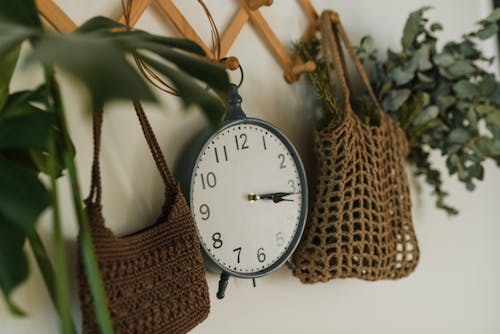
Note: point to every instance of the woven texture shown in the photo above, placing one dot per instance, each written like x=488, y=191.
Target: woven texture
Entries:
x=154, y=279
x=360, y=216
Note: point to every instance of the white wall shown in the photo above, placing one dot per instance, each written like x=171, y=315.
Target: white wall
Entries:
x=455, y=288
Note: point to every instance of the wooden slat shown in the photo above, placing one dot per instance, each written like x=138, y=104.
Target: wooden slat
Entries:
x=138, y=8
x=233, y=30
x=55, y=15
x=181, y=23
x=270, y=38
x=309, y=9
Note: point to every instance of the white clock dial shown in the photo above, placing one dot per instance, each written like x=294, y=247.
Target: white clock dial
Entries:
x=246, y=198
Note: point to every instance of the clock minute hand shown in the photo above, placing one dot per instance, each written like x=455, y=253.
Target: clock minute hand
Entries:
x=275, y=197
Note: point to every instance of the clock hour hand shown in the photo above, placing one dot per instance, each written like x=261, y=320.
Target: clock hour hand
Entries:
x=275, y=197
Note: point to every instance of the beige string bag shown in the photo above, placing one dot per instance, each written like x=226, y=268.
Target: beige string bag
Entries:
x=360, y=216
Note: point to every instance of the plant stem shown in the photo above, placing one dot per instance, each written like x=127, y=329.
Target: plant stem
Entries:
x=61, y=279
x=87, y=248
x=42, y=259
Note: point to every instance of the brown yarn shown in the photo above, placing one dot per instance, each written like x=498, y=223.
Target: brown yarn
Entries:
x=154, y=279
x=360, y=216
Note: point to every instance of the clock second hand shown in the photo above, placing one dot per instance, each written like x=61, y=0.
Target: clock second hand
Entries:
x=275, y=197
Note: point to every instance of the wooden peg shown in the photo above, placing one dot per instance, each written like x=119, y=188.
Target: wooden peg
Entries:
x=256, y=4
x=230, y=63
x=293, y=74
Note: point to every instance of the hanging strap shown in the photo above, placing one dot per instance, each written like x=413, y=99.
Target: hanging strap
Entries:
x=159, y=158
x=332, y=34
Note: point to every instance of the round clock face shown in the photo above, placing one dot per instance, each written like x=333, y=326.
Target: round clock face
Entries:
x=249, y=198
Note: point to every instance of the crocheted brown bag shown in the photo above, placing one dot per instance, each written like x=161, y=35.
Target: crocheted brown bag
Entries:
x=360, y=217
x=154, y=279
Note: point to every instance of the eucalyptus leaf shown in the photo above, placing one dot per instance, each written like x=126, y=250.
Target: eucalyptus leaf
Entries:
x=444, y=59
x=465, y=89
x=426, y=115
x=13, y=262
x=436, y=26
x=493, y=118
x=487, y=85
x=462, y=68
x=459, y=136
x=488, y=31
x=424, y=78
x=402, y=77
x=421, y=58
x=444, y=101
x=413, y=27
x=494, y=16
x=395, y=99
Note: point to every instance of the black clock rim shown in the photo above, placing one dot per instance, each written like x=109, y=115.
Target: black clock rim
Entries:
x=305, y=197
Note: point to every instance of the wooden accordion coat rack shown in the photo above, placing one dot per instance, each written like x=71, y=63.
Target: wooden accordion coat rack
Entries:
x=248, y=11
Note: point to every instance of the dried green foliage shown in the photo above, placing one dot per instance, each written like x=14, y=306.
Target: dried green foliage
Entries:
x=331, y=114
x=443, y=99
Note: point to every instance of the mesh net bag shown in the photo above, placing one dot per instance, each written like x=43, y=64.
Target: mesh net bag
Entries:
x=154, y=279
x=360, y=217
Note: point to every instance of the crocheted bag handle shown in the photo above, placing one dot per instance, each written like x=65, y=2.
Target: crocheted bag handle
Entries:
x=95, y=195
x=332, y=33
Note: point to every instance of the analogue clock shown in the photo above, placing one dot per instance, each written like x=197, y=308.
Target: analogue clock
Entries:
x=247, y=190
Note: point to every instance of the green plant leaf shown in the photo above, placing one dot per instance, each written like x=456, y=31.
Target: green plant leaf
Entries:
x=494, y=16
x=118, y=32
x=488, y=31
x=459, y=136
x=444, y=59
x=13, y=262
x=213, y=74
x=421, y=58
x=191, y=92
x=465, y=89
x=133, y=39
x=413, y=27
x=395, y=99
x=462, y=68
x=436, y=26
x=22, y=196
x=14, y=36
x=402, y=77
x=99, y=24
x=426, y=115
x=445, y=101
x=487, y=85
x=424, y=78
x=23, y=12
x=7, y=66
x=22, y=102
x=30, y=131
x=99, y=65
